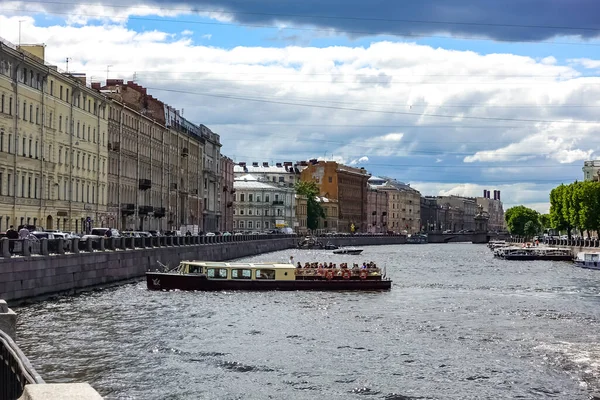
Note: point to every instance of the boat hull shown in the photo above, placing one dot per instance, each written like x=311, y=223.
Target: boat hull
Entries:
x=350, y=252
x=537, y=258
x=588, y=264
x=168, y=281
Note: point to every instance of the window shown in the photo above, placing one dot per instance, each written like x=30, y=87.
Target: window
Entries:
x=265, y=274
x=24, y=110
x=37, y=115
x=330, y=179
x=24, y=146
x=250, y=198
x=36, y=149
x=94, y=135
x=88, y=163
x=1, y=140
x=60, y=155
x=241, y=274
x=35, y=185
x=266, y=225
x=241, y=222
x=51, y=88
x=266, y=199
x=242, y=197
x=9, y=143
x=60, y=123
x=30, y=143
x=2, y=104
x=216, y=273
x=61, y=92
x=22, y=185
x=10, y=106
x=78, y=128
x=242, y=212
x=31, y=113
x=50, y=121
x=282, y=179
x=9, y=187
x=249, y=224
x=88, y=137
x=67, y=96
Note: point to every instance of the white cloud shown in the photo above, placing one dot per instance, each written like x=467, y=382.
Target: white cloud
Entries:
x=361, y=160
x=586, y=62
x=187, y=32
x=207, y=36
x=404, y=85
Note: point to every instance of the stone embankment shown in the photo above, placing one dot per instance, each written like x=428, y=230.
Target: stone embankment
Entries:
x=112, y=260
x=576, y=245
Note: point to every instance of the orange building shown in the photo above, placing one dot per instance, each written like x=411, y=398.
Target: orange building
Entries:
x=345, y=184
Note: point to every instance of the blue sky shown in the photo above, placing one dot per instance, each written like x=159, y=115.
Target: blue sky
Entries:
x=514, y=110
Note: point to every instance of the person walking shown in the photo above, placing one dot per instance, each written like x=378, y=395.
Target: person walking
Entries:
x=12, y=235
x=23, y=233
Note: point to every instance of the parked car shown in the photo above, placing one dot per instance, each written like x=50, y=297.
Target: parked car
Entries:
x=102, y=232
x=209, y=234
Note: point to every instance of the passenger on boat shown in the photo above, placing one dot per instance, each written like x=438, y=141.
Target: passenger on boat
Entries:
x=299, y=265
x=364, y=266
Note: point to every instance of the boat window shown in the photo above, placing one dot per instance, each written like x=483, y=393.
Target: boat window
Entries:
x=265, y=274
x=195, y=269
x=217, y=273
x=241, y=274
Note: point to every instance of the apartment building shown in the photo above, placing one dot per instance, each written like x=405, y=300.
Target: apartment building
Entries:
x=403, y=205
x=494, y=209
x=285, y=173
x=262, y=205
x=377, y=206
x=53, y=135
x=227, y=192
x=347, y=186
x=467, y=207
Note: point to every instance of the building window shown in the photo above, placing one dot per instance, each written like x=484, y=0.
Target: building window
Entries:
x=2, y=104
x=266, y=199
x=35, y=185
x=31, y=113
x=36, y=149
x=9, y=143
x=24, y=110
x=1, y=140
x=78, y=128
x=249, y=224
x=61, y=92
x=250, y=198
x=30, y=145
x=10, y=106
x=37, y=115
x=60, y=155
x=60, y=123
x=50, y=124
x=51, y=88
x=242, y=197
x=22, y=185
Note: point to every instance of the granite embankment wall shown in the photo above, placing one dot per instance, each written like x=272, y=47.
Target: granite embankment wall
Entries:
x=576, y=245
x=34, y=276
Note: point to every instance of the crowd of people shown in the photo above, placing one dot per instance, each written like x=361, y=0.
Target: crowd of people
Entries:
x=330, y=265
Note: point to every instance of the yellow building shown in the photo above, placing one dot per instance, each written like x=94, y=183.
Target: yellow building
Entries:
x=53, y=152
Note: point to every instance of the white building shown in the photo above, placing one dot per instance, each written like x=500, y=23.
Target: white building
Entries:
x=285, y=173
x=261, y=205
x=591, y=170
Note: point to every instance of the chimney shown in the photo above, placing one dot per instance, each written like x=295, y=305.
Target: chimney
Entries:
x=242, y=164
x=494, y=195
x=114, y=82
x=314, y=161
x=484, y=193
x=265, y=164
x=287, y=163
x=498, y=195
x=278, y=165
x=255, y=164
x=96, y=85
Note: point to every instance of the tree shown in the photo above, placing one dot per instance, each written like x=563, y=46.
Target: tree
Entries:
x=557, y=204
x=589, y=206
x=517, y=217
x=314, y=210
x=545, y=221
x=531, y=228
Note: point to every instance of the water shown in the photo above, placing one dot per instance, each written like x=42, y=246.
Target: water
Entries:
x=457, y=324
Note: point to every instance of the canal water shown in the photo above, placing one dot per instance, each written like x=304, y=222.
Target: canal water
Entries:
x=457, y=324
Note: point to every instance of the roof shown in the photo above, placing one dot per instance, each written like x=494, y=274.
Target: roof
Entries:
x=216, y=264
x=271, y=169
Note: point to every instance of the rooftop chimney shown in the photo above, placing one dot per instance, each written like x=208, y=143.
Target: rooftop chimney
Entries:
x=96, y=85
x=255, y=164
x=498, y=195
x=287, y=163
x=242, y=164
x=484, y=193
x=265, y=164
x=278, y=165
x=314, y=161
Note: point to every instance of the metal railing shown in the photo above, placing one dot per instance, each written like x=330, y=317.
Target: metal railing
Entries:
x=15, y=370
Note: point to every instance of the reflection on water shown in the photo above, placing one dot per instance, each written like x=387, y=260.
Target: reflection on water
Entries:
x=457, y=324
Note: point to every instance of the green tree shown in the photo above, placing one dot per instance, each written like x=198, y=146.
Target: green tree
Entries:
x=531, y=228
x=557, y=203
x=545, y=221
x=589, y=206
x=574, y=200
x=517, y=217
x=314, y=210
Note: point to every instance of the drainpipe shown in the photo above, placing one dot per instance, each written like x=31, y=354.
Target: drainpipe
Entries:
x=42, y=145
x=16, y=134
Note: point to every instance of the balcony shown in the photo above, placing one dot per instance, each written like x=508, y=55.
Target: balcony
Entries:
x=145, y=184
x=278, y=203
x=115, y=146
x=127, y=208
x=185, y=152
x=173, y=186
x=145, y=210
x=159, y=212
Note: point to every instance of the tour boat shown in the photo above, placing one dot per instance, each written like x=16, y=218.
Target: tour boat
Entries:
x=348, y=250
x=515, y=253
x=210, y=275
x=587, y=259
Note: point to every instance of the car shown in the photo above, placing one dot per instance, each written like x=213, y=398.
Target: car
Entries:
x=209, y=234
x=102, y=232
x=238, y=234
x=226, y=234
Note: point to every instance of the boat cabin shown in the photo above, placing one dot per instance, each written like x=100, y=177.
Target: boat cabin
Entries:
x=238, y=271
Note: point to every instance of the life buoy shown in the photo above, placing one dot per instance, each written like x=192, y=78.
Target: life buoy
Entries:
x=329, y=274
x=363, y=274
x=346, y=274
x=320, y=272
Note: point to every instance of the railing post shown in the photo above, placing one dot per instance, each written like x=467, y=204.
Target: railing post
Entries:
x=89, y=245
x=60, y=247
x=102, y=244
x=4, y=244
x=26, y=248
x=8, y=320
x=75, y=245
x=44, y=247
x=143, y=242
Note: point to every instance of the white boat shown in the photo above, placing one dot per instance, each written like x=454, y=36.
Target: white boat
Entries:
x=348, y=250
x=586, y=259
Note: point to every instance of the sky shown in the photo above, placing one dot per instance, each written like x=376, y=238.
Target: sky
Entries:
x=450, y=96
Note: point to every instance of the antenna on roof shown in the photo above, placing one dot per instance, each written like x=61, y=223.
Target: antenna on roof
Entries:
x=134, y=76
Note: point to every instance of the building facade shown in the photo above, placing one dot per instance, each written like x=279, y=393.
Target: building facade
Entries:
x=591, y=170
x=377, y=206
x=346, y=185
x=467, y=205
x=155, y=173
x=429, y=208
x=227, y=192
x=404, y=205
x=53, y=135
x=301, y=222
x=211, y=214
x=495, y=210
x=261, y=205
x=330, y=223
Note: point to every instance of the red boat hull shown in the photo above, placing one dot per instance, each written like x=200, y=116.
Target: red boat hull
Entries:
x=167, y=281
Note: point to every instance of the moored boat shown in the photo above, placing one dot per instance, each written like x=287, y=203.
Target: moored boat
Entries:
x=211, y=276
x=590, y=260
x=516, y=253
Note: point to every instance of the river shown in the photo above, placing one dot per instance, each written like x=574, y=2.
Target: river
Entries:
x=457, y=324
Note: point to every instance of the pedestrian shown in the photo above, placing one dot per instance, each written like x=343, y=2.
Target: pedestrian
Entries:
x=108, y=232
x=23, y=233
x=12, y=235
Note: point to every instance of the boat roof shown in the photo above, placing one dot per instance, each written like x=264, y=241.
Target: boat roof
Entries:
x=216, y=264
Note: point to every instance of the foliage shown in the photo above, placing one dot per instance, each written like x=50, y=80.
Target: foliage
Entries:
x=576, y=206
x=532, y=228
x=518, y=217
x=314, y=210
x=545, y=221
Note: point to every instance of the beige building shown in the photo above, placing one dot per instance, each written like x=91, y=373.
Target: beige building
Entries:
x=331, y=210
x=285, y=173
x=467, y=207
x=227, y=192
x=301, y=222
x=495, y=210
x=53, y=135
x=591, y=170
x=404, y=205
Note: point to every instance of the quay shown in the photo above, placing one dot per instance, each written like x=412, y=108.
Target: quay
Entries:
x=576, y=245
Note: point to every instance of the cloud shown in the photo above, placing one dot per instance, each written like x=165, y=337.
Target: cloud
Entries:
x=497, y=120
x=512, y=19
x=187, y=32
x=207, y=36
x=586, y=62
x=361, y=160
